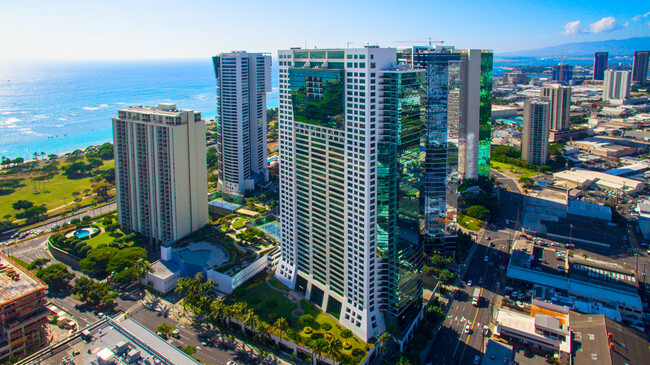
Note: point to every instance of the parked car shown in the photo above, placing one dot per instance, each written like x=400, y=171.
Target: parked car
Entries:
x=468, y=329
x=486, y=331
x=485, y=258
x=477, y=360
x=469, y=283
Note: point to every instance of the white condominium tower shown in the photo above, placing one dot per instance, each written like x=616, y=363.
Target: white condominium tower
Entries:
x=243, y=79
x=560, y=105
x=160, y=171
x=352, y=178
x=617, y=85
x=534, y=142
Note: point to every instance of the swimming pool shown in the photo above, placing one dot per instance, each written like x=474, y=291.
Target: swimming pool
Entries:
x=196, y=257
x=272, y=229
x=81, y=233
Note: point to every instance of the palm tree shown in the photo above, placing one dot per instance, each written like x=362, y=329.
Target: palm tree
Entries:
x=333, y=349
x=281, y=326
x=319, y=347
x=382, y=342
x=263, y=330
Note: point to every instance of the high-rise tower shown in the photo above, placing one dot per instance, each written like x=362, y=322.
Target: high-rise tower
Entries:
x=534, y=142
x=617, y=85
x=160, y=173
x=353, y=179
x=640, y=67
x=243, y=79
x=600, y=65
x=560, y=105
x=485, y=117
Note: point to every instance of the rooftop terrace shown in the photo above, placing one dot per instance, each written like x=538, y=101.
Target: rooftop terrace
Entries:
x=16, y=281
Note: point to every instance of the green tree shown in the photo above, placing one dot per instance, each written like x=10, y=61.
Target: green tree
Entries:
x=56, y=276
x=281, y=326
x=22, y=205
x=96, y=263
x=189, y=349
x=306, y=320
x=126, y=258
x=165, y=329
x=38, y=264
x=478, y=211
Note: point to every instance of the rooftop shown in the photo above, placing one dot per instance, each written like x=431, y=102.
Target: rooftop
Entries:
x=16, y=281
x=592, y=332
x=161, y=109
x=497, y=353
x=164, y=269
x=116, y=338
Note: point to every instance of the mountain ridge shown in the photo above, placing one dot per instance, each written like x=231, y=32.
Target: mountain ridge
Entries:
x=615, y=47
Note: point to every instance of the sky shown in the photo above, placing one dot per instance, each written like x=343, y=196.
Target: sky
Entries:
x=168, y=29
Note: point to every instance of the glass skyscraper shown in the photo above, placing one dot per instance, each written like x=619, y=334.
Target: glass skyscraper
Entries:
x=485, y=114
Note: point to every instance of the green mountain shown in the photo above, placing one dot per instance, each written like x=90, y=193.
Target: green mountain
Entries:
x=615, y=47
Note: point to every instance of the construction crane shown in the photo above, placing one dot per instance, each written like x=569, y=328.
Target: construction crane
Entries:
x=430, y=41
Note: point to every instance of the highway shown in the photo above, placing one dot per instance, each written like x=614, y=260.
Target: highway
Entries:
x=452, y=345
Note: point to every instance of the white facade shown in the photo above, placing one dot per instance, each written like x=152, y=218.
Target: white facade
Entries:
x=560, y=104
x=468, y=122
x=534, y=142
x=243, y=79
x=617, y=84
x=160, y=171
x=334, y=263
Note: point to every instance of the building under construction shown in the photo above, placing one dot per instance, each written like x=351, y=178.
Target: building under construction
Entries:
x=23, y=311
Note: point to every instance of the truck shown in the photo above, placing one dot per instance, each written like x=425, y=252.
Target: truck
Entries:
x=476, y=297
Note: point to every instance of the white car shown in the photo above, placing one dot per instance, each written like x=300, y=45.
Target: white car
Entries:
x=469, y=283
x=468, y=329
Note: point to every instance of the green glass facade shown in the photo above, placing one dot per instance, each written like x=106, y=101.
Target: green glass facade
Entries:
x=485, y=115
x=400, y=216
x=317, y=96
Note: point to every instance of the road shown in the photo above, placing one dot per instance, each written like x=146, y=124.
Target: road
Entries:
x=509, y=183
x=452, y=345
x=151, y=316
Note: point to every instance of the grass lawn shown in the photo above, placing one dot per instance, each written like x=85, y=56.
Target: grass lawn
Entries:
x=240, y=222
x=19, y=261
x=258, y=295
x=470, y=223
x=519, y=171
x=54, y=192
x=99, y=239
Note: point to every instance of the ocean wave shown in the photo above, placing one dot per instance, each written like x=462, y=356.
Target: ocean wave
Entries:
x=90, y=108
x=11, y=120
x=63, y=119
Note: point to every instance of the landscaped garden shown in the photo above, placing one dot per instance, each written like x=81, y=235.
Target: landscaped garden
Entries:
x=470, y=223
x=269, y=300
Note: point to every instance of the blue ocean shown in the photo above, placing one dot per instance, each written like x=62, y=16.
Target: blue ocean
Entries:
x=57, y=107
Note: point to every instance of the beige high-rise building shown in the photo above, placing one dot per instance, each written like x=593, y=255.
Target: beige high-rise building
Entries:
x=560, y=106
x=160, y=171
x=534, y=142
x=617, y=85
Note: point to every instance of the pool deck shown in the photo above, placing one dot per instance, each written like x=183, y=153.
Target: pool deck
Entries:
x=219, y=258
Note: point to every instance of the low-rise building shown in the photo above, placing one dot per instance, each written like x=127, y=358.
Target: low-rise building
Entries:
x=569, y=134
x=23, y=310
x=585, y=178
x=498, y=353
x=600, y=340
x=600, y=148
x=208, y=259
x=542, y=331
x=118, y=340
x=588, y=286
x=643, y=208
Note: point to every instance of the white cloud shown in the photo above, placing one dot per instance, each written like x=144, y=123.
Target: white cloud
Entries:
x=641, y=16
x=626, y=24
x=605, y=24
x=572, y=28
